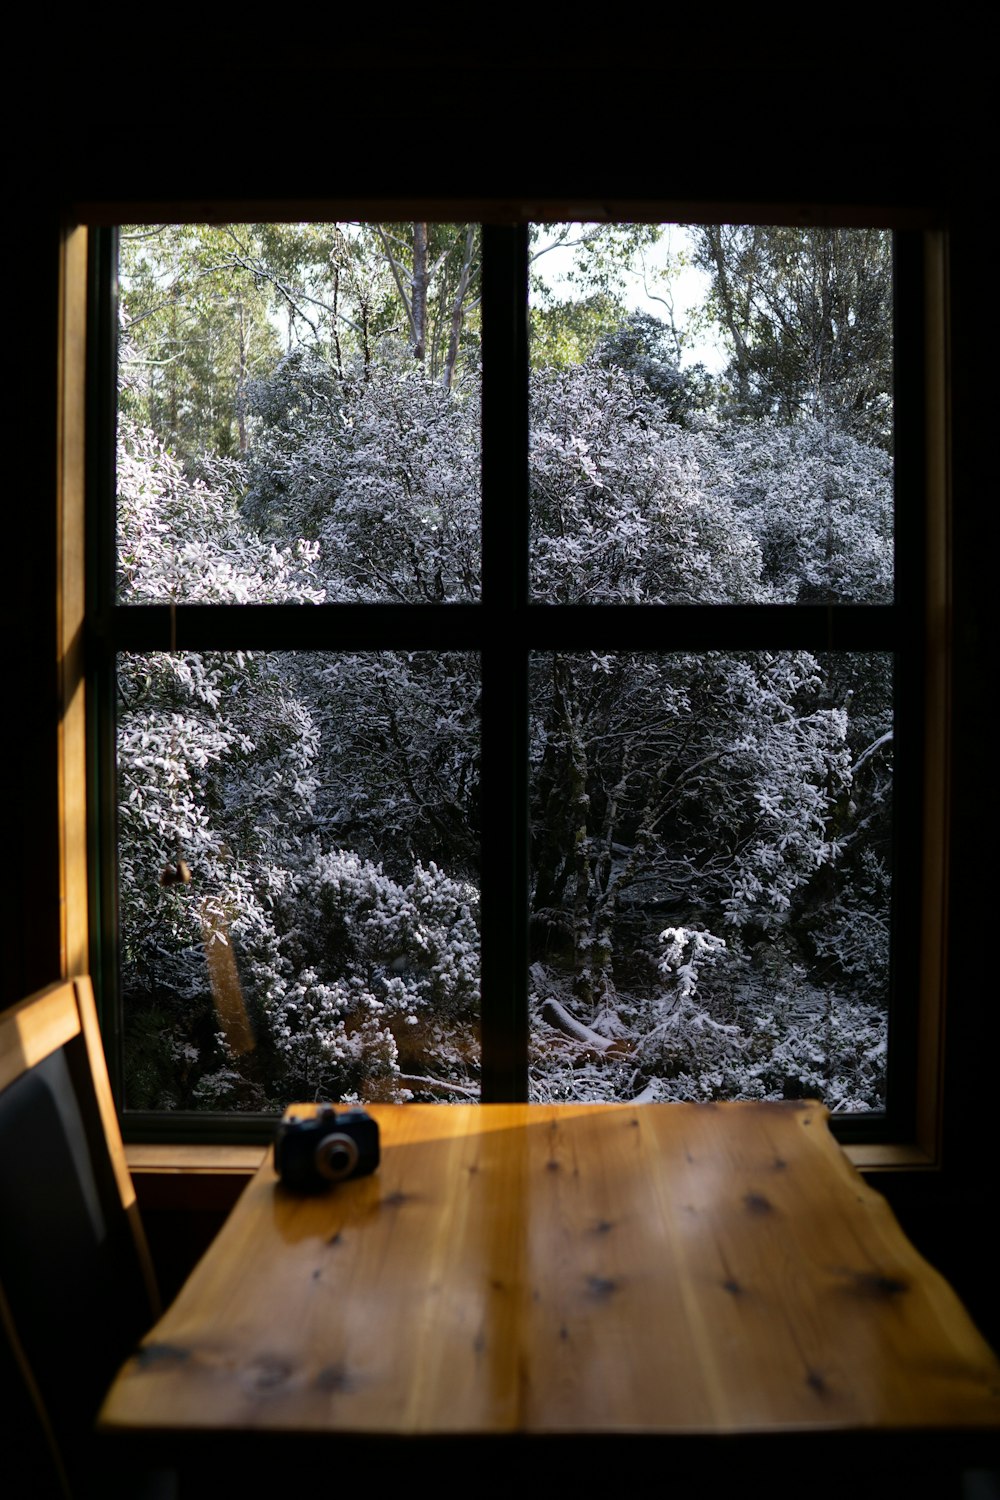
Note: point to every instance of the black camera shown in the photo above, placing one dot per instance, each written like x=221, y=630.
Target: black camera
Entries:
x=312, y=1151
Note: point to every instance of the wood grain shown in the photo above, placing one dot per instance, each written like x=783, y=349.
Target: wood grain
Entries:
x=71, y=604
x=37, y=1027
x=567, y=1269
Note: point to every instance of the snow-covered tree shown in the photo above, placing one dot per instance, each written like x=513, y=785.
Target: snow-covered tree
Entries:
x=382, y=472
x=254, y=961
x=819, y=504
x=621, y=511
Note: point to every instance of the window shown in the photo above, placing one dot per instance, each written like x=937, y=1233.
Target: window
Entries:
x=577, y=690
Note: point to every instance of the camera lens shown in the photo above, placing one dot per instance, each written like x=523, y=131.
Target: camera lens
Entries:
x=336, y=1157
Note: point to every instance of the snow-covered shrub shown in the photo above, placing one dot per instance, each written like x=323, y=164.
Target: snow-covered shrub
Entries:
x=367, y=966
x=180, y=539
x=720, y=1030
x=384, y=476
x=818, y=502
x=621, y=510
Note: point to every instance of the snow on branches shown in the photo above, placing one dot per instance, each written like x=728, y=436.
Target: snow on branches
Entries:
x=182, y=539
x=326, y=807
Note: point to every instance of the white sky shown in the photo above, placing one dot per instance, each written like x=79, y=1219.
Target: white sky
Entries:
x=648, y=280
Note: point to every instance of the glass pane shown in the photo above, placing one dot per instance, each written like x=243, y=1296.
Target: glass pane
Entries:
x=710, y=876
x=711, y=414
x=298, y=889
x=298, y=413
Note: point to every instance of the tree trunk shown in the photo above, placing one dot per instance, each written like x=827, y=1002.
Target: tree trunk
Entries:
x=458, y=308
x=418, y=290
x=241, y=376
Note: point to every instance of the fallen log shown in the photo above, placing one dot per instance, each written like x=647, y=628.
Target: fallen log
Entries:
x=558, y=1016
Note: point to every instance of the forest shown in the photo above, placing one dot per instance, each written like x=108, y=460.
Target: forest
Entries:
x=298, y=831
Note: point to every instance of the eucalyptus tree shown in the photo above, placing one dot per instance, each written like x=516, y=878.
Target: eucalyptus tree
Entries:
x=436, y=271
x=206, y=310
x=808, y=317
x=196, y=328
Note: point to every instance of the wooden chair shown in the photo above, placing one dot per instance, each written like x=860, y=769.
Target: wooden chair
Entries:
x=77, y=1287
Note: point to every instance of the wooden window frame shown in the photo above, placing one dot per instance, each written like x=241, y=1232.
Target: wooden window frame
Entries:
x=918, y=1145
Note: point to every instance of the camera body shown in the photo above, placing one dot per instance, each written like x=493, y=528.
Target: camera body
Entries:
x=312, y=1151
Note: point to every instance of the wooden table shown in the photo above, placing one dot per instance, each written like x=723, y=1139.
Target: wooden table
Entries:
x=668, y=1271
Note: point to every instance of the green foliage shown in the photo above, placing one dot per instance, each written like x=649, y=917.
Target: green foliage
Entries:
x=567, y=332
x=196, y=328
x=206, y=311
x=808, y=317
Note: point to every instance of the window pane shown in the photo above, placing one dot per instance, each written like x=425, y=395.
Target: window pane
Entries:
x=710, y=876
x=298, y=854
x=711, y=414
x=299, y=413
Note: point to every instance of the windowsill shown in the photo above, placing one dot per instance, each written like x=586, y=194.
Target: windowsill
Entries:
x=890, y=1156
x=217, y=1160
x=164, y=1158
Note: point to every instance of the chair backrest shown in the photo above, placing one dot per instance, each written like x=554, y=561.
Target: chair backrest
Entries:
x=77, y=1288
